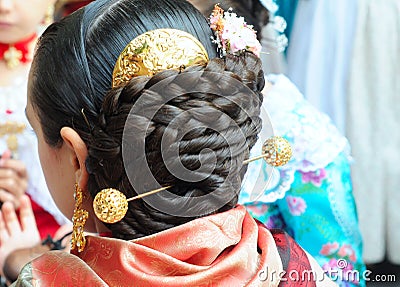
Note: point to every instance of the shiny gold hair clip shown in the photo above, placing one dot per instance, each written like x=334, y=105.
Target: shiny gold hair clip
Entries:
x=110, y=205
x=156, y=51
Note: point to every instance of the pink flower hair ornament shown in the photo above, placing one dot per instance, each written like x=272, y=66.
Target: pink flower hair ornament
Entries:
x=232, y=34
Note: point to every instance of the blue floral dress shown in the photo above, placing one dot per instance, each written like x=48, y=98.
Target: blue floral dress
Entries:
x=310, y=197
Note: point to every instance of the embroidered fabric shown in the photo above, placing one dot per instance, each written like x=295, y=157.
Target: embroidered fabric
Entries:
x=12, y=108
x=314, y=139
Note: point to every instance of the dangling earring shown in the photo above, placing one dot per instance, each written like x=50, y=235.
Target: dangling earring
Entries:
x=78, y=220
x=49, y=17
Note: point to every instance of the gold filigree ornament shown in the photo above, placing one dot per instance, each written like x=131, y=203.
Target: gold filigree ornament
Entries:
x=156, y=51
x=110, y=205
x=277, y=151
x=12, y=57
x=10, y=130
x=78, y=240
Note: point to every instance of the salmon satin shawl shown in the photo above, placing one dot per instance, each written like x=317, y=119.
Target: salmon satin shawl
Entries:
x=225, y=249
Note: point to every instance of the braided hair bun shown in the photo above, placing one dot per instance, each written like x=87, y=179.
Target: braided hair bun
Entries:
x=190, y=129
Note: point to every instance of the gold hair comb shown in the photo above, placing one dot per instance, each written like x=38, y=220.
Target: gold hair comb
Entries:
x=110, y=205
x=156, y=51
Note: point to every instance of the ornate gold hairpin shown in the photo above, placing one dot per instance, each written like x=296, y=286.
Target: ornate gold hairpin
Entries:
x=110, y=205
x=156, y=51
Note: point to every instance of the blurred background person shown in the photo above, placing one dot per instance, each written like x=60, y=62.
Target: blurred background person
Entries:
x=20, y=173
x=373, y=121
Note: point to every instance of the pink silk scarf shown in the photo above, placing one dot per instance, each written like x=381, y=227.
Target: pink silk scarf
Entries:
x=225, y=249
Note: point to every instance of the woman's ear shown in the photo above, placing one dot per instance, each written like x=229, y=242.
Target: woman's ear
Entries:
x=78, y=154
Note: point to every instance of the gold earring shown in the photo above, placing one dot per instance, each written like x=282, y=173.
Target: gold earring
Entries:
x=78, y=220
x=110, y=205
x=49, y=16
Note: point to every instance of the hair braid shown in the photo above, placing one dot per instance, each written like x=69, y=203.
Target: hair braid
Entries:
x=197, y=147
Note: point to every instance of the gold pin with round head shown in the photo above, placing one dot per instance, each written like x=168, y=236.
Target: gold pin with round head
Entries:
x=110, y=205
x=276, y=151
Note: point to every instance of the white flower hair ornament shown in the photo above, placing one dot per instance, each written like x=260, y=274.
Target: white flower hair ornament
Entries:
x=232, y=34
